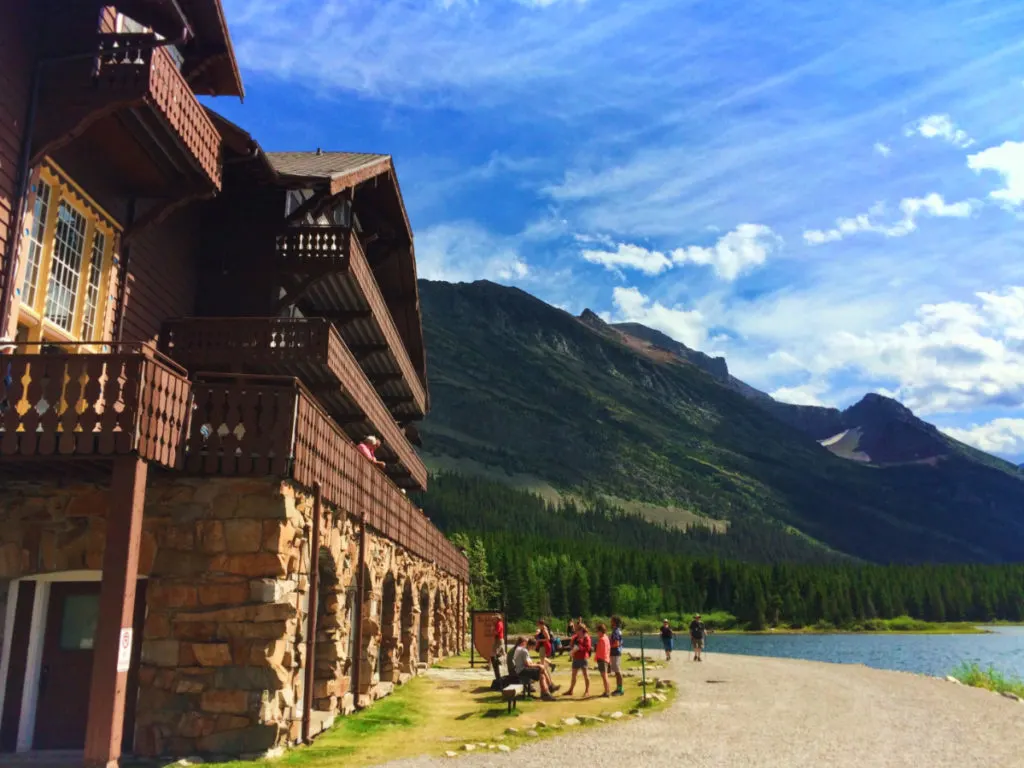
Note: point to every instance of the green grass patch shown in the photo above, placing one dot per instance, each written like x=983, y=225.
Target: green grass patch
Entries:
x=990, y=679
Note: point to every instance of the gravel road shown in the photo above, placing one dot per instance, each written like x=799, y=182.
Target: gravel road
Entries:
x=742, y=711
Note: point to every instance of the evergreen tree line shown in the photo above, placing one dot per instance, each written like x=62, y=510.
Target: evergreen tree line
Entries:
x=537, y=559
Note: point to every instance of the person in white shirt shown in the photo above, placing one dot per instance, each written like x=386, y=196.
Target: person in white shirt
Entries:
x=527, y=669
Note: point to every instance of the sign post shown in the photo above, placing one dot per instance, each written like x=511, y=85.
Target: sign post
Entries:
x=124, y=650
x=482, y=628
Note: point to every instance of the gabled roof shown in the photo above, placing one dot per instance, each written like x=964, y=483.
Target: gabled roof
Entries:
x=345, y=167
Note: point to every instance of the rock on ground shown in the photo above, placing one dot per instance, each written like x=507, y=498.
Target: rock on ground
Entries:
x=747, y=712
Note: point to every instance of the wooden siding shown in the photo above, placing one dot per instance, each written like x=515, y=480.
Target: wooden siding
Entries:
x=162, y=275
x=17, y=34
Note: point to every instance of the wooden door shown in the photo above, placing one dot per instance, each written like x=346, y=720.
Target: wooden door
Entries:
x=66, y=672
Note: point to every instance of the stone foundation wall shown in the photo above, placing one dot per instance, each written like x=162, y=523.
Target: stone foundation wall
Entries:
x=228, y=564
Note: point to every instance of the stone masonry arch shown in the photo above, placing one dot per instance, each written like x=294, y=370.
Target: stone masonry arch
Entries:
x=423, y=646
x=407, y=613
x=389, y=635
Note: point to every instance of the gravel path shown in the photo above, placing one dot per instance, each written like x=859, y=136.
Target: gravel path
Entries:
x=742, y=711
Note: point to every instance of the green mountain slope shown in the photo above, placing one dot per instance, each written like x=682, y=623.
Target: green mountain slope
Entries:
x=523, y=386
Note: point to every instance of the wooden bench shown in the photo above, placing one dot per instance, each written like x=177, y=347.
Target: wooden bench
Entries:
x=511, y=693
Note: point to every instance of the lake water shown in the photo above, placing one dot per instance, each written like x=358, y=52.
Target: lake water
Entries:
x=928, y=654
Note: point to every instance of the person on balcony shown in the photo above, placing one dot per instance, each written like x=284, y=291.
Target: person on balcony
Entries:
x=369, y=448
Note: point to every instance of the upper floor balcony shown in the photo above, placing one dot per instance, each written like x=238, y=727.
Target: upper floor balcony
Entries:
x=89, y=409
x=129, y=104
x=310, y=349
x=329, y=271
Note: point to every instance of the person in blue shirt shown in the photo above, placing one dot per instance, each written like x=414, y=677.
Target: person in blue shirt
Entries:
x=616, y=657
x=667, y=637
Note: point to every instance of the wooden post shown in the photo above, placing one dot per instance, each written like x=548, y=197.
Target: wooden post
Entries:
x=116, y=614
x=309, y=678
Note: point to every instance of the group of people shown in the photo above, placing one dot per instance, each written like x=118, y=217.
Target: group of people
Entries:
x=607, y=653
x=698, y=634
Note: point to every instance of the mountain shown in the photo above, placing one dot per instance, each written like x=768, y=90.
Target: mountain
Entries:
x=523, y=388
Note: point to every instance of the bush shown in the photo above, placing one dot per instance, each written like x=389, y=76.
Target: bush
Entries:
x=969, y=673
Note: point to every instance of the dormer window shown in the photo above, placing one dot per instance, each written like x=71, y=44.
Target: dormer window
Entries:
x=129, y=26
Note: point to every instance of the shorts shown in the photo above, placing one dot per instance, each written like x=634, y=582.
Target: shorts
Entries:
x=530, y=673
x=616, y=663
x=667, y=643
x=579, y=663
x=697, y=643
x=602, y=665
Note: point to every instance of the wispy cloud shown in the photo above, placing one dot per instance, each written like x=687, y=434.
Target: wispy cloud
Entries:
x=465, y=251
x=940, y=127
x=803, y=394
x=883, y=149
x=1003, y=435
x=911, y=207
x=684, y=325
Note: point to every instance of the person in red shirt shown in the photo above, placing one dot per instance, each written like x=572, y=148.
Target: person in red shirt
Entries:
x=581, y=648
x=498, y=653
x=603, y=656
x=369, y=448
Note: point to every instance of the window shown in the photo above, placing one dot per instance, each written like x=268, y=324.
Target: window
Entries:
x=78, y=624
x=68, y=262
x=128, y=25
x=35, y=242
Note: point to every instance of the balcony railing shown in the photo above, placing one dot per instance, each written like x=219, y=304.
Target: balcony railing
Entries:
x=310, y=349
x=263, y=425
x=91, y=406
x=129, y=68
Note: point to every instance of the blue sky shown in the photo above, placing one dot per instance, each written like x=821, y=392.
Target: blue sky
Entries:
x=831, y=195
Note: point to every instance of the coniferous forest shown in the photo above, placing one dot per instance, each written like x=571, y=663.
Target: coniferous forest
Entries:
x=537, y=559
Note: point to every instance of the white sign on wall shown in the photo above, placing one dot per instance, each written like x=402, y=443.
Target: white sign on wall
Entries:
x=124, y=650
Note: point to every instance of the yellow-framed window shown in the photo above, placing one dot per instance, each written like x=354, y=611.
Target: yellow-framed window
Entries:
x=69, y=250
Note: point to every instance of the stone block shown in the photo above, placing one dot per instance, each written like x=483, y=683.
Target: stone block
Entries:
x=270, y=590
x=212, y=654
x=223, y=594
x=256, y=738
x=161, y=653
x=275, y=612
x=263, y=506
x=180, y=564
x=278, y=536
x=180, y=538
x=147, y=552
x=157, y=627
x=210, y=536
x=232, y=722
x=268, y=630
x=89, y=503
x=226, y=702
x=197, y=631
x=242, y=536
x=189, y=685
x=12, y=559
x=194, y=724
x=267, y=678
x=238, y=613
x=256, y=564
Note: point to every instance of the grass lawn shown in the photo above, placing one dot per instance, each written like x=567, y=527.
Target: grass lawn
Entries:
x=431, y=715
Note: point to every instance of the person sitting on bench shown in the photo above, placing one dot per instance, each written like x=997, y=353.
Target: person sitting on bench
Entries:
x=527, y=669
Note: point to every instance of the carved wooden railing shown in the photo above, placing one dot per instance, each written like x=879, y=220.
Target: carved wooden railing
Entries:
x=310, y=349
x=314, y=247
x=260, y=425
x=67, y=405
x=128, y=67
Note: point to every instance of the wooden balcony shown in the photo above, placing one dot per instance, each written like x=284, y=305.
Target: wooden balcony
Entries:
x=56, y=408
x=131, y=104
x=310, y=349
x=264, y=425
x=334, y=280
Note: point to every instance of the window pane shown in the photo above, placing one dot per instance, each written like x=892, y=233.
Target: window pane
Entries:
x=92, y=286
x=65, y=266
x=35, y=243
x=78, y=625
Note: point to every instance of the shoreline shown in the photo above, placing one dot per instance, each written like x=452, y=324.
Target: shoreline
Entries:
x=936, y=629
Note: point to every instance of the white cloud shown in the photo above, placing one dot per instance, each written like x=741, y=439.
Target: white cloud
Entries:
x=465, y=251
x=686, y=326
x=804, y=394
x=735, y=253
x=883, y=149
x=630, y=257
x=911, y=207
x=1008, y=161
x=940, y=127
x=1004, y=436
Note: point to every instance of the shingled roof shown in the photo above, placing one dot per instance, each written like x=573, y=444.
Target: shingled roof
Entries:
x=326, y=165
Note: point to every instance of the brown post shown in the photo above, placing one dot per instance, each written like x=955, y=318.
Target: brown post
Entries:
x=360, y=597
x=314, y=585
x=116, y=614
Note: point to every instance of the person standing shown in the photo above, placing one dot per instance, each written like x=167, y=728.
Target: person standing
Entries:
x=581, y=648
x=697, y=634
x=667, y=638
x=603, y=656
x=615, y=641
x=499, y=646
x=369, y=448
x=543, y=638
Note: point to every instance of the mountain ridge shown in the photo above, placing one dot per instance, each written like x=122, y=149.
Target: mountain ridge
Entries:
x=529, y=388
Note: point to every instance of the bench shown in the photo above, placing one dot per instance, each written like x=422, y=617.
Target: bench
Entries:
x=511, y=693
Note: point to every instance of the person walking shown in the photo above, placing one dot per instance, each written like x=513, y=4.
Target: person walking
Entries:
x=667, y=638
x=697, y=634
x=615, y=641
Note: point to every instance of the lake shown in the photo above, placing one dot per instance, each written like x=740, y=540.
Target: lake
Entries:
x=935, y=655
